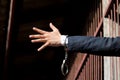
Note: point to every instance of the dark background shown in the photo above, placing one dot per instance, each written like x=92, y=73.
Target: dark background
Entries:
x=24, y=62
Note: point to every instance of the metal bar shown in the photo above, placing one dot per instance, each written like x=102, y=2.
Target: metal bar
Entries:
x=94, y=67
x=98, y=11
x=117, y=11
x=94, y=27
x=114, y=8
x=117, y=2
x=98, y=68
x=111, y=15
x=93, y=73
x=111, y=69
x=10, y=24
x=90, y=68
x=95, y=16
x=86, y=71
x=101, y=34
x=91, y=28
x=83, y=73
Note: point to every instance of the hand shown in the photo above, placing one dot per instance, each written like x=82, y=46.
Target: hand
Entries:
x=52, y=38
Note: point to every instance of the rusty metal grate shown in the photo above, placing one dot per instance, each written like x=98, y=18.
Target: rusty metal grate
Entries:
x=93, y=67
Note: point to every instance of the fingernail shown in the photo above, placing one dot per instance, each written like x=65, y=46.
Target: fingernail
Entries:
x=33, y=27
x=32, y=41
x=30, y=36
x=50, y=23
x=38, y=49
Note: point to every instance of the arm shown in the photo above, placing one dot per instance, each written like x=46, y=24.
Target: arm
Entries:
x=84, y=44
x=89, y=44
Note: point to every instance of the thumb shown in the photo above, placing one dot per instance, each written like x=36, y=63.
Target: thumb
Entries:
x=53, y=27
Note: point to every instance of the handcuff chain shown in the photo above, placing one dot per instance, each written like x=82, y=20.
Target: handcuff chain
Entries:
x=64, y=64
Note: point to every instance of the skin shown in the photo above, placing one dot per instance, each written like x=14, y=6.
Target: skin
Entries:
x=52, y=38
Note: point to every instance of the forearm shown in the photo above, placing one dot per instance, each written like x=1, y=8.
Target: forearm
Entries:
x=93, y=44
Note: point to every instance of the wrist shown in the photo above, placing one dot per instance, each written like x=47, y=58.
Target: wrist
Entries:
x=64, y=40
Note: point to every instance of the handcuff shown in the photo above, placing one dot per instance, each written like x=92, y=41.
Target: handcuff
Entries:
x=64, y=66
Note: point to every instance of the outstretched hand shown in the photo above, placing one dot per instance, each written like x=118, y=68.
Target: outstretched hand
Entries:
x=52, y=38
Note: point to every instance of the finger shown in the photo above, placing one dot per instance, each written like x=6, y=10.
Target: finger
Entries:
x=43, y=46
x=53, y=27
x=38, y=40
x=39, y=30
x=36, y=36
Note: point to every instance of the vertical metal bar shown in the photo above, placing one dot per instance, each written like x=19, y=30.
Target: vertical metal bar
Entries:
x=97, y=25
x=112, y=58
x=10, y=23
x=111, y=69
x=117, y=7
x=92, y=24
x=98, y=69
x=96, y=10
x=115, y=35
x=98, y=15
x=95, y=16
x=93, y=20
x=118, y=68
x=111, y=17
x=100, y=9
x=95, y=67
x=101, y=67
x=113, y=21
x=90, y=77
x=88, y=64
x=101, y=62
x=88, y=74
x=117, y=2
x=82, y=75
x=90, y=33
x=90, y=67
x=85, y=72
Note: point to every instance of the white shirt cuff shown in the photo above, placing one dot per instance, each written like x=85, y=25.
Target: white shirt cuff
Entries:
x=64, y=40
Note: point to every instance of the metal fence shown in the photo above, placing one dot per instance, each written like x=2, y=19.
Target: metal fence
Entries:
x=103, y=21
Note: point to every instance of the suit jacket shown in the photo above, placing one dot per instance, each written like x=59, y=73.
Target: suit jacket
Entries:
x=96, y=45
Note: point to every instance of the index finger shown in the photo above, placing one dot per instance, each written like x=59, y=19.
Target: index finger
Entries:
x=39, y=30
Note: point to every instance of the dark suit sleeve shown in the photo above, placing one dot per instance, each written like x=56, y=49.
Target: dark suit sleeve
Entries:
x=90, y=44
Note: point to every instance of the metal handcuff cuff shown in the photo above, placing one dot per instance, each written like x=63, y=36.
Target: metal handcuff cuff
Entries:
x=64, y=66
